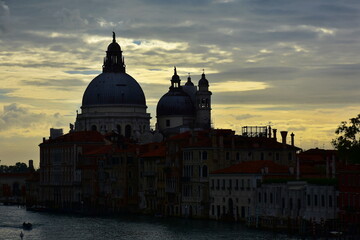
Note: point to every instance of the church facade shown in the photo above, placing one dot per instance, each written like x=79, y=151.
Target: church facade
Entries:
x=114, y=101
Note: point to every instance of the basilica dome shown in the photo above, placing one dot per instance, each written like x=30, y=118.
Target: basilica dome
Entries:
x=113, y=88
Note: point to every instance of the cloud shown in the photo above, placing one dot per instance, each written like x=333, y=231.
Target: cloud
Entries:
x=245, y=116
x=4, y=17
x=21, y=119
x=71, y=18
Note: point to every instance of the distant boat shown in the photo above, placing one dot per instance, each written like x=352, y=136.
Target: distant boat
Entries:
x=27, y=225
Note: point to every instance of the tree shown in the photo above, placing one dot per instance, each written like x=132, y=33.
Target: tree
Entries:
x=17, y=168
x=347, y=142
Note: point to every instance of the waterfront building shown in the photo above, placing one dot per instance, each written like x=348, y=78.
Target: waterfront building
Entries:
x=310, y=199
x=233, y=189
x=349, y=195
x=152, y=174
x=13, y=185
x=60, y=176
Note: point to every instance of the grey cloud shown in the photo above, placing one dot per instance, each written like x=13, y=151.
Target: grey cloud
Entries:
x=15, y=116
x=245, y=116
x=4, y=17
x=71, y=18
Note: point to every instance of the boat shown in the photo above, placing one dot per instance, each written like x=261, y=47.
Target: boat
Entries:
x=27, y=225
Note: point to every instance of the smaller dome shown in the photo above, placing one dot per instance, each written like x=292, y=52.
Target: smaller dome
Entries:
x=203, y=81
x=175, y=102
x=114, y=47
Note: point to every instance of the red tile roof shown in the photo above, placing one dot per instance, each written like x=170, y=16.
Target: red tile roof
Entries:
x=158, y=152
x=254, y=167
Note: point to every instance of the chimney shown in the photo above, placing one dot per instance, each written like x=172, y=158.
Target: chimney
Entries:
x=31, y=165
x=269, y=131
x=274, y=133
x=283, y=136
x=292, y=139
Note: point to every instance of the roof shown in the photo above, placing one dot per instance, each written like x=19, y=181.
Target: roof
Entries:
x=254, y=167
x=79, y=137
x=112, y=148
x=158, y=152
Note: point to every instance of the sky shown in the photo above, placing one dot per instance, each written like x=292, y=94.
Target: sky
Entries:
x=293, y=65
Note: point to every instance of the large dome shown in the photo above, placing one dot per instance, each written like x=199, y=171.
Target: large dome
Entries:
x=175, y=102
x=113, y=88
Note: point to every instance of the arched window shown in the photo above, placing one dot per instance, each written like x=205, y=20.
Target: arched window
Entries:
x=93, y=128
x=204, y=171
x=128, y=131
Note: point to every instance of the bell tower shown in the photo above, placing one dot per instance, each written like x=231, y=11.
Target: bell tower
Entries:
x=203, y=104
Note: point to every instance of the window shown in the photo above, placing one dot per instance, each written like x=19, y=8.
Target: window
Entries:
x=204, y=171
x=315, y=200
x=259, y=199
x=204, y=155
x=212, y=183
x=308, y=200
x=322, y=200
x=330, y=201
x=127, y=131
x=227, y=156
x=223, y=184
x=230, y=184
x=271, y=198
x=217, y=183
x=237, y=156
x=262, y=156
x=168, y=122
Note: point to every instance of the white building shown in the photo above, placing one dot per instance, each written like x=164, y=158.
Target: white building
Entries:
x=233, y=189
x=296, y=199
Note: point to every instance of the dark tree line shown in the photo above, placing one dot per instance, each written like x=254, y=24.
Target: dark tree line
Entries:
x=348, y=140
x=19, y=167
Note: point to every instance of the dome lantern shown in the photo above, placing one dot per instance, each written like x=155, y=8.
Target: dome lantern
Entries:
x=114, y=61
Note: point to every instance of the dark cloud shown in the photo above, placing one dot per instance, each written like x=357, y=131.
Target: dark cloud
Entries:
x=4, y=17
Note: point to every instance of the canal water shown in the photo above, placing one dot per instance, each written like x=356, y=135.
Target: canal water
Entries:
x=60, y=226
